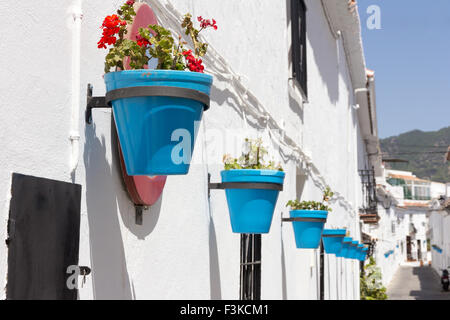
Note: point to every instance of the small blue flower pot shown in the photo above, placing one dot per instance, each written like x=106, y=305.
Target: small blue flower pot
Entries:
x=352, y=252
x=364, y=254
x=345, y=247
x=308, y=226
x=332, y=240
x=359, y=249
x=157, y=134
x=251, y=210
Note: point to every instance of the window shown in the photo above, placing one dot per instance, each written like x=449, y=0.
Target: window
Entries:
x=298, y=25
x=250, y=283
x=369, y=205
x=412, y=190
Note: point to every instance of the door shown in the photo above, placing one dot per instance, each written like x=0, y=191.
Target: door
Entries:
x=408, y=248
x=419, y=250
x=43, y=238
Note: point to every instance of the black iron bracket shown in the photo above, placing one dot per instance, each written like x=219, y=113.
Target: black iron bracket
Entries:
x=93, y=102
x=304, y=219
x=242, y=185
x=144, y=91
x=84, y=271
x=139, y=214
x=332, y=236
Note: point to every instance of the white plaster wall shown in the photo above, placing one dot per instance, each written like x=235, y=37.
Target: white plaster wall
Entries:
x=185, y=248
x=388, y=240
x=439, y=225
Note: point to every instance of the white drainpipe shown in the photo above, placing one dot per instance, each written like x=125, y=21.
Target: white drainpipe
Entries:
x=77, y=14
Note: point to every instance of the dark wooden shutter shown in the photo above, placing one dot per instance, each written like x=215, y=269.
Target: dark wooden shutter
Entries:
x=43, y=238
x=298, y=26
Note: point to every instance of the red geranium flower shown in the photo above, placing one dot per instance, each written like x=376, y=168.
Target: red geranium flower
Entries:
x=142, y=42
x=205, y=23
x=193, y=64
x=111, y=26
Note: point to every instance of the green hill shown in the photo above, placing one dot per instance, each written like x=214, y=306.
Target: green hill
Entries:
x=425, y=152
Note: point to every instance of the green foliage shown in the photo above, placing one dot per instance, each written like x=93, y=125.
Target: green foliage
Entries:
x=127, y=13
x=371, y=287
x=155, y=42
x=425, y=152
x=313, y=205
x=200, y=48
x=126, y=48
x=163, y=46
x=252, y=158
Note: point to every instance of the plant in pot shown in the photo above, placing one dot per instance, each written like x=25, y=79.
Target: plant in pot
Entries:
x=332, y=240
x=155, y=111
x=346, y=244
x=353, y=251
x=360, y=253
x=364, y=252
x=308, y=219
x=251, y=185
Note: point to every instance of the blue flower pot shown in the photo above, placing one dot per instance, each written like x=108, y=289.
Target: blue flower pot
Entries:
x=364, y=254
x=251, y=210
x=332, y=240
x=359, y=254
x=307, y=231
x=353, y=251
x=345, y=247
x=157, y=134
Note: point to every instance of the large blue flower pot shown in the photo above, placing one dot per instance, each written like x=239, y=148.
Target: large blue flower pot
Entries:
x=251, y=210
x=307, y=231
x=332, y=240
x=157, y=134
x=345, y=247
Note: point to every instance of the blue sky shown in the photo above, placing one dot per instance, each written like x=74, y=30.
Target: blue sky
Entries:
x=411, y=58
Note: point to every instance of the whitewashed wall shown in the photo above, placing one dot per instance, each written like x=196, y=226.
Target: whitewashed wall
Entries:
x=388, y=238
x=439, y=226
x=185, y=249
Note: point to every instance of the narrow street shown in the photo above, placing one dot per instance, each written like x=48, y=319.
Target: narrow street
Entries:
x=416, y=283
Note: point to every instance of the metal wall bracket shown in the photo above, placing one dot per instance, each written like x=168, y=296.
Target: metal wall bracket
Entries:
x=84, y=271
x=242, y=185
x=303, y=219
x=139, y=214
x=93, y=102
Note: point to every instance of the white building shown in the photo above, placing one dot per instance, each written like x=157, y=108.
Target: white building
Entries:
x=185, y=248
x=439, y=221
x=403, y=226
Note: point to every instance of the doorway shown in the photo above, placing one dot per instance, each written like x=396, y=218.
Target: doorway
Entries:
x=408, y=248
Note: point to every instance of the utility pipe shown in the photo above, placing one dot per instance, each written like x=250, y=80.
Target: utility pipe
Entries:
x=77, y=15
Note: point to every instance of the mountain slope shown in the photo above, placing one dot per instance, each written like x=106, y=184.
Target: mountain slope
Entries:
x=424, y=150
